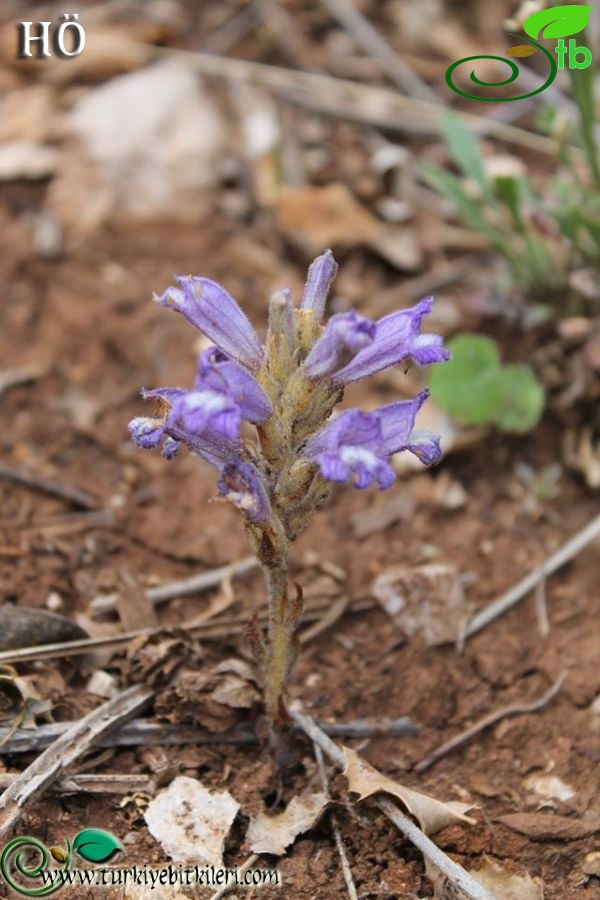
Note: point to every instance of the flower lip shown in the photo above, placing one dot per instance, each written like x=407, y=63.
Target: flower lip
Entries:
x=398, y=337
x=211, y=309
x=345, y=335
x=242, y=484
x=217, y=372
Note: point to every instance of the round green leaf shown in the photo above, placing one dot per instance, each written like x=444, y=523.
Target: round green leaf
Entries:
x=561, y=21
x=520, y=398
x=464, y=386
x=96, y=845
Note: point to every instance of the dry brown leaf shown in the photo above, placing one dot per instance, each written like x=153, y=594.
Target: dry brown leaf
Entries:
x=273, y=834
x=330, y=216
x=506, y=885
x=548, y=827
x=428, y=600
x=190, y=822
x=431, y=814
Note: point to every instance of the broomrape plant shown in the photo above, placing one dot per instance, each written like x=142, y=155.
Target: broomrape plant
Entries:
x=288, y=389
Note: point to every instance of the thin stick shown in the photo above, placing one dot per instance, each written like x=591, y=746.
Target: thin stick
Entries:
x=50, y=765
x=93, y=784
x=516, y=709
x=340, y=97
x=229, y=887
x=367, y=37
x=458, y=876
x=346, y=870
x=511, y=597
x=141, y=732
x=21, y=375
x=48, y=486
x=205, y=630
x=195, y=584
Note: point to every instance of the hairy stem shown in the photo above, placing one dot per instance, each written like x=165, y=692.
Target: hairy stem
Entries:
x=280, y=649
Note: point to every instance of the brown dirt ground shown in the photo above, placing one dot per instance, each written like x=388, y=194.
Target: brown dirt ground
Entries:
x=86, y=318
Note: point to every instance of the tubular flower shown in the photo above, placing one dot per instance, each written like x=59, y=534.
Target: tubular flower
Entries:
x=318, y=283
x=213, y=311
x=345, y=335
x=397, y=338
x=243, y=485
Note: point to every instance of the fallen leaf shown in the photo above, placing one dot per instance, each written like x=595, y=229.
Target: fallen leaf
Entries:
x=432, y=815
x=428, y=600
x=506, y=885
x=190, y=822
x=549, y=787
x=214, y=697
x=550, y=827
x=330, y=216
x=273, y=834
x=521, y=50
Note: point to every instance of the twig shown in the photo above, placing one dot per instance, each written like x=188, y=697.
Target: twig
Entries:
x=93, y=784
x=195, y=584
x=141, y=732
x=509, y=599
x=458, y=876
x=205, y=630
x=21, y=375
x=346, y=870
x=516, y=709
x=50, y=765
x=229, y=887
x=48, y=486
x=340, y=97
x=367, y=37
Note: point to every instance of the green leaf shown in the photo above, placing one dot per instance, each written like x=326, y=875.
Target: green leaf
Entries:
x=509, y=190
x=520, y=398
x=476, y=389
x=561, y=21
x=465, y=150
x=464, y=386
x=96, y=845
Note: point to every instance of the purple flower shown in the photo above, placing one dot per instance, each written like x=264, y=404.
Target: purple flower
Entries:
x=351, y=449
x=147, y=432
x=356, y=446
x=218, y=373
x=345, y=335
x=397, y=427
x=318, y=283
x=242, y=484
x=397, y=338
x=210, y=308
x=201, y=411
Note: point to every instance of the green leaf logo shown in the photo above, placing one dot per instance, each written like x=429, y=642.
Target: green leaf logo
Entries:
x=96, y=845
x=561, y=21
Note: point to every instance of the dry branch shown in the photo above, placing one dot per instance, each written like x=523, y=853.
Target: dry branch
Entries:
x=511, y=597
x=458, y=876
x=140, y=732
x=184, y=587
x=48, y=486
x=516, y=709
x=65, y=750
x=206, y=630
